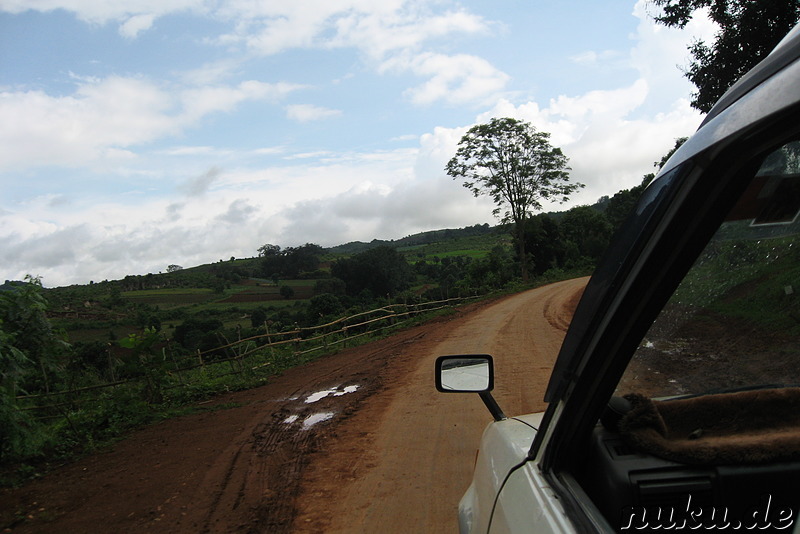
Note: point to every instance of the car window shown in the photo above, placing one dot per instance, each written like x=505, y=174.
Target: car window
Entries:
x=734, y=321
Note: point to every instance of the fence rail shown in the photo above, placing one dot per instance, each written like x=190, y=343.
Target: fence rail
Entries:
x=251, y=354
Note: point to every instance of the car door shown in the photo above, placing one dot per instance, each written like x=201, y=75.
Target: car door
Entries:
x=736, y=179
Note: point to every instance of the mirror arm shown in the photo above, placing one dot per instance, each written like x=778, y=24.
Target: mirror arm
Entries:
x=494, y=408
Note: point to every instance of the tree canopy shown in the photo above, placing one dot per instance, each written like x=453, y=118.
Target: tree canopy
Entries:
x=514, y=164
x=290, y=262
x=382, y=271
x=748, y=31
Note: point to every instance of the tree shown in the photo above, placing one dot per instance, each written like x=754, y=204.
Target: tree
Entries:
x=30, y=361
x=381, y=271
x=515, y=165
x=545, y=243
x=587, y=230
x=258, y=317
x=268, y=250
x=748, y=31
x=291, y=262
x=323, y=305
x=198, y=333
x=23, y=318
x=287, y=292
x=333, y=286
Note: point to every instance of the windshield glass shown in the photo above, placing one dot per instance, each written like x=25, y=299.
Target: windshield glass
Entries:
x=734, y=321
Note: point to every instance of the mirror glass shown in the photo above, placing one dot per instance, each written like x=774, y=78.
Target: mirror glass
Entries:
x=465, y=373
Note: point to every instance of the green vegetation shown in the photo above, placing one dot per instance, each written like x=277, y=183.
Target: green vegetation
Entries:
x=747, y=280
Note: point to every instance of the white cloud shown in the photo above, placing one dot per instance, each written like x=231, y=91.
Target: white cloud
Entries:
x=136, y=24
x=189, y=151
x=381, y=31
x=76, y=129
x=212, y=73
x=133, y=15
x=456, y=80
x=597, y=105
x=204, y=100
x=591, y=57
x=401, y=29
x=103, y=117
x=309, y=112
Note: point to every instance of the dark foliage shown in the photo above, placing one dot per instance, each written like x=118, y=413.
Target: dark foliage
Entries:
x=749, y=30
x=324, y=305
x=544, y=243
x=291, y=262
x=381, y=271
x=198, y=333
x=334, y=286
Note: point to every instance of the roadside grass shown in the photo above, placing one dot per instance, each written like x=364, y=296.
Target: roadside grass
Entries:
x=749, y=280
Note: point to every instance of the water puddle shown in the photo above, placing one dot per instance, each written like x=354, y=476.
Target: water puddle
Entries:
x=312, y=420
x=291, y=419
x=336, y=392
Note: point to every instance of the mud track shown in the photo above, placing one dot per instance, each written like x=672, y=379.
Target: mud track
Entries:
x=354, y=442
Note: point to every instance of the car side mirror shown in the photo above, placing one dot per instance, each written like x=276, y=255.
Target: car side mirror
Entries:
x=464, y=374
x=468, y=373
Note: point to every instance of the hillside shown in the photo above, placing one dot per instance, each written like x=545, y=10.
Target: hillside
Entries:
x=233, y=291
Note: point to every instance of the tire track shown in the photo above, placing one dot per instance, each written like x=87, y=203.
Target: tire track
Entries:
x=559, y=307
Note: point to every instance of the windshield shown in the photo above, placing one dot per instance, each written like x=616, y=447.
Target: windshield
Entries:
x=734, y=321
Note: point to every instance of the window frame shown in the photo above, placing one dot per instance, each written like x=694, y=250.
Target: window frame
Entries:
x=693, y=205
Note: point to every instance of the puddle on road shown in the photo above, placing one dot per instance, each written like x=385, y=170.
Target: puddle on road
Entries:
x=312, y=420
x=336, y=392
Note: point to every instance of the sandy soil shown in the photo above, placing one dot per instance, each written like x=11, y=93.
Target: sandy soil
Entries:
x=355, y=442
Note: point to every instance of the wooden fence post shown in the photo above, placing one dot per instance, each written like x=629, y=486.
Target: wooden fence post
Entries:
x=269, y=341
x=175, y=363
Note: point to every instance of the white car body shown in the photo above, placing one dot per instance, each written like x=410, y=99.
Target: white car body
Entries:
x=526, y=500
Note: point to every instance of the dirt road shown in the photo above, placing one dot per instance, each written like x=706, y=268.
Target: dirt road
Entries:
x=355, y=442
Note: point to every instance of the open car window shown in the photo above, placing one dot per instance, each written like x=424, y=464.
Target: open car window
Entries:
x=734, y=321
x=704, y=422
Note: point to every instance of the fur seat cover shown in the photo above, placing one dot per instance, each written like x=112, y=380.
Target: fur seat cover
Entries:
x=746, y=427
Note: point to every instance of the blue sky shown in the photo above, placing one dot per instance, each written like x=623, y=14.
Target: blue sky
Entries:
x=143, y=133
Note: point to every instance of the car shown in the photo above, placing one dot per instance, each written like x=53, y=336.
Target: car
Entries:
x=674, y=403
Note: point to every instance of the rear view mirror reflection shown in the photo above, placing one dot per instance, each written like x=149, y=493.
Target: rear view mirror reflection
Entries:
x=470, y=373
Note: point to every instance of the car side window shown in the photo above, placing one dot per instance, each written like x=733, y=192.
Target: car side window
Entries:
x=734, y=321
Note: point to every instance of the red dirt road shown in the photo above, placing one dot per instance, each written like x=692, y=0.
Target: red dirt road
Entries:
x=355, y=442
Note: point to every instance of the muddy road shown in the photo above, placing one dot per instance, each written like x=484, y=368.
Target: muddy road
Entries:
x=355, y=442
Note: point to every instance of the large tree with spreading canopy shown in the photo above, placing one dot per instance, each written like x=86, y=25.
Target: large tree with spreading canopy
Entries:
x=514, y=164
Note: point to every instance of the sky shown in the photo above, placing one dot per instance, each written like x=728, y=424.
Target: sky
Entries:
x=138, y=134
